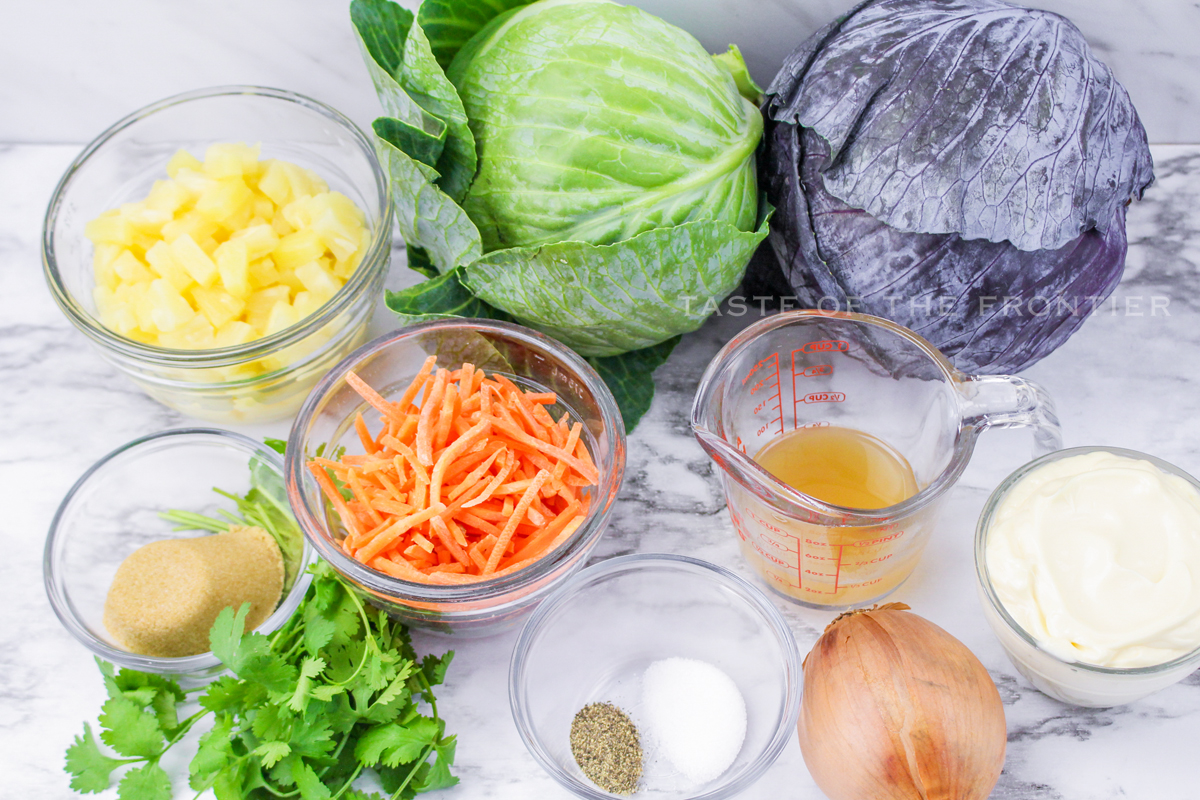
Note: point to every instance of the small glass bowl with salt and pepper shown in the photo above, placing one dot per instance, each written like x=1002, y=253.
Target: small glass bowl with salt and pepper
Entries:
x=624, y=631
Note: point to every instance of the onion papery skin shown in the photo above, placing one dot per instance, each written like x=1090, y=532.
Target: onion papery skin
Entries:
x=895, y=708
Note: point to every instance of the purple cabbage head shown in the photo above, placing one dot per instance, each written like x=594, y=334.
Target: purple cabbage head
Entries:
x=959, y=166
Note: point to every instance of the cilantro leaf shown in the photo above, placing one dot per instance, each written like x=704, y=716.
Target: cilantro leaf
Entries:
x=148, y=782
x=394, y=744
x=438, y=776
x=248, y=655
x=278, y=445
x=310, y=669
x=228, y=694
x=90, y=769
x=310, y=786
x=213, y=754
x=434, y=668
x=272, y=752
x=129, y=730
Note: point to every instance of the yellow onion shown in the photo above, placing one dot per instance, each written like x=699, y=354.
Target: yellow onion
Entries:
x=895, y=708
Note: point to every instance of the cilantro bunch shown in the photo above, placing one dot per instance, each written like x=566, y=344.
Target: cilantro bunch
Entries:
x=338, y=691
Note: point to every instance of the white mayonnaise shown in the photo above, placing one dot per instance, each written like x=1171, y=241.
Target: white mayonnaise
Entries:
x=1097, y=557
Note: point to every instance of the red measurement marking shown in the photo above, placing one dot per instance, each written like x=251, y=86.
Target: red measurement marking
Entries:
x=817, y=370
x=824, y=397
x=826, y=346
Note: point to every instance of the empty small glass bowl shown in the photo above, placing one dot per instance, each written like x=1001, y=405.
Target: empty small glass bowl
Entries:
x=113, y=509
x=264, y=379
x=592, y=640
x=529, y=359
x=1071, y=682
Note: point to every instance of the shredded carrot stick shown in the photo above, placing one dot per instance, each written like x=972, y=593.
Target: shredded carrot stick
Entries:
x=385, y=409
x=364, y=436
x=495, y=483
x=517, y=515
x=418, y=383
x=335, y=498
x=473, y=481
x=538, y=542
x=425, y=424
x=452, y=452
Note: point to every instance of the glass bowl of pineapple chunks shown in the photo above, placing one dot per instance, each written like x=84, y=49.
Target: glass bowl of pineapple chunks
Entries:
x=223, y=248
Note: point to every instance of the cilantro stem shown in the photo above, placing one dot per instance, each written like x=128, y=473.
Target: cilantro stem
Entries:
x=357, y=771
x=412, y=772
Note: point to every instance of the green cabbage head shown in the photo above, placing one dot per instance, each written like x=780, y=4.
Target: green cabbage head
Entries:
x=596, y=122
x=579, y=166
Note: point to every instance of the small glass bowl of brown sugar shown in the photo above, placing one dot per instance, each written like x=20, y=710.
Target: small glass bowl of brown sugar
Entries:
x=114, y=511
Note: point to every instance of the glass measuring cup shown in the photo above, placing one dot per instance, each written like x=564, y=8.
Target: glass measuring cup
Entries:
x=817, y=368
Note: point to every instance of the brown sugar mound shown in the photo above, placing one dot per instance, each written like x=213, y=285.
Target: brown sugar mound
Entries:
x=166, y=595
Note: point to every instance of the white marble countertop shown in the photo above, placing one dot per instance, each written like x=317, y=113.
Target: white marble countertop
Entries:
x=1127, y=378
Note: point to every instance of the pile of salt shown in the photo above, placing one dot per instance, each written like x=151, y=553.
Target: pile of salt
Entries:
x=696, y=715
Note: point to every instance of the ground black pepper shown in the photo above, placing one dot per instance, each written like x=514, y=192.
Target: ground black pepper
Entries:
x=606, y=747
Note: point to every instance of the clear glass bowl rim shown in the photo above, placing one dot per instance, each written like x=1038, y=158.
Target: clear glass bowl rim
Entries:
x=400, y=590
x=754, y=597
x=376, y=258
x=187, y=664
x=985, y=582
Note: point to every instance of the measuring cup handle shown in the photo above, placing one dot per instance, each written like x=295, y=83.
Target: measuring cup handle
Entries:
x=1006, y=401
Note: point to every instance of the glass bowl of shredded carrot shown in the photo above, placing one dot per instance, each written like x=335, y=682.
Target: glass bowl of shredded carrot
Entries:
x=457, y=470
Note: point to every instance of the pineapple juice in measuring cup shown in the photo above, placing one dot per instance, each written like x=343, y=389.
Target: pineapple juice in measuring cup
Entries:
x=846, y=408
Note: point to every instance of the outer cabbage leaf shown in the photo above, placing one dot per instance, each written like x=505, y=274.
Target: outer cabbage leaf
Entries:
x=607, y=299
x=973, y=117
x=451, y=23
x=595, y=122
x=414, y=90
x=427, y=217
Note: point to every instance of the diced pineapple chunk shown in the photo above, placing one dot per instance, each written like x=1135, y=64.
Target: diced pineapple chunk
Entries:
x=170, y=310
x=281, y=316
x=165, y=266
x=193, y=182
x=192, y=223
x=318, y=279
x=103, y=260
x=183, y=160
x=137, y=296
x=260, y=303
x=275, y=184
x=263, y=274
x=167, y=196
x=296, y=249
x=225, y=199
x=235, y=332
x=193, y=259
x=230, y=160
x=288, y=278
x=110, y=227
x=233, y=264
x=307, y=303
x=264, y=209
x=195, y=334
x=131, y=270
x=144, y=219
x=218, y=305
x=259, y=239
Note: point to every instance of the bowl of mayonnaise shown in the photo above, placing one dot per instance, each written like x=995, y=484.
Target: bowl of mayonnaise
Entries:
x=1088, y=567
